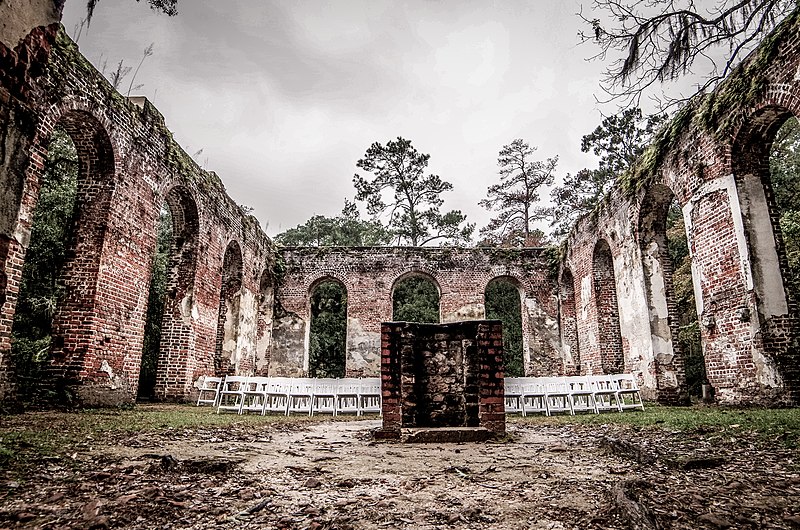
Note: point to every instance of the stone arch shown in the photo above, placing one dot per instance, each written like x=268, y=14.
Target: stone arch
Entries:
x=423, y=274
x=75, y=313
x=266, y=298
x=668, y=357
x=607, y=310
x=568, y=321
x=514, y=351
x=175, y=346
x=776, y=309
x=226, y=351
x=326, y=356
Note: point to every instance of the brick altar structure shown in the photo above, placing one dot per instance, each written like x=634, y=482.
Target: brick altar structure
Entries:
x=442, y=375
x=602, y=302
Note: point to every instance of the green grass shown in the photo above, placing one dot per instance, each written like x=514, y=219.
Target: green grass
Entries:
x=782, y=425
x=25, y=438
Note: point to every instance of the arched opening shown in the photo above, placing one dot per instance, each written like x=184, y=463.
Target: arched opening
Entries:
x=765, y=163
x=226, y=358
x=176, y=252
x=40, y=290
x=415, y=298
x=664, y=250
x=568, y=323
x=503, y=302
x=73, y=323
x=328, y=330
x=266, y=298
x=155, y=307
x=605, y=296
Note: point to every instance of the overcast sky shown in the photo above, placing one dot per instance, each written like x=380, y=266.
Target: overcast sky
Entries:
x=284, y=97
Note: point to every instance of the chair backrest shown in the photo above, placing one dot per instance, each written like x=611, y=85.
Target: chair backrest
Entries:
x=234, y=383
x=370, y=386
x=626, y=382
x=604, y=383
x=210, y=383
x=325, y=386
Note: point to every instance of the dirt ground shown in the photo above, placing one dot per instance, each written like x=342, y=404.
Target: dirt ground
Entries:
x=332, y=475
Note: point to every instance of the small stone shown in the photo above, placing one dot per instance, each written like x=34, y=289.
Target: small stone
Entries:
x=312, y=483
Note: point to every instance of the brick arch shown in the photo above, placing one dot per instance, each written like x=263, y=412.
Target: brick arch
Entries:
x=418, y=272
x=659, y=292
x=225, y=356
x=76, y=311
x=775, y=310
x=266, y=297
x=336, y=278
x=323, y=275
x=607, y=310
x=523, y=326
x=176, y=345
x=567, y=319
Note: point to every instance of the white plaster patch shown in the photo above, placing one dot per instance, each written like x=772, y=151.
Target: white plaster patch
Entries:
x=586, y=296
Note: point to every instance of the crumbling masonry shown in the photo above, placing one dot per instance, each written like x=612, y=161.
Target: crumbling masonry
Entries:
x=602, y=305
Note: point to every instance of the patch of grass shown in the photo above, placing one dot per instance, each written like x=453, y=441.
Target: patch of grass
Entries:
x=25, y=438
x=775, y=425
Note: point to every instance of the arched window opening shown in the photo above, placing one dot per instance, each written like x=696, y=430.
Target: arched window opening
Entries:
x=674, y=331
x=226, y=358
x=328, y=334
x=784, y=170
x=605, y=291
x=40, y=289
x=266, y=298
x=155, y=307
x=503, y=302
x=568, y=323
x=415, y=298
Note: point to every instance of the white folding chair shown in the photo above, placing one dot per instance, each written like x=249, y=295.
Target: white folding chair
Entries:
x=301, y=395
x=277, y=395
x=347, y=396
x=581, y=394
x=604, y=389
x=628, y=392
x=369, y=395
x=558, y=399
x=209, y=391
x=254, y=395
x=513, y=395
x=230, y=397
x=534, y=396
x=323, y=399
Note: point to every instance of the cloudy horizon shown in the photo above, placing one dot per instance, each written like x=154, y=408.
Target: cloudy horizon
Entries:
x=281, y=100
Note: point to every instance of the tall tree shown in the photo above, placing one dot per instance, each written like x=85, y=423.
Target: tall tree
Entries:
x=398, y=170
x=516, y=196
x=618, y=141
x=346, y=230
x=654, y=42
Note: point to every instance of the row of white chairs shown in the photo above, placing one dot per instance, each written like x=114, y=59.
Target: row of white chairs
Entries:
x=285, y=395
x=571, y=394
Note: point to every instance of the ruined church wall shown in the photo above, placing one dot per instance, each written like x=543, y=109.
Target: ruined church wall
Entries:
x=100, y=343
x=369, y=274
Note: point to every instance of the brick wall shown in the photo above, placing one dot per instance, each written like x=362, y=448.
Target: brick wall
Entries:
x=442, y=375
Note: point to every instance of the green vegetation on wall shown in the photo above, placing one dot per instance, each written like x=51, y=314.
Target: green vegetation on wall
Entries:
x=415, y=299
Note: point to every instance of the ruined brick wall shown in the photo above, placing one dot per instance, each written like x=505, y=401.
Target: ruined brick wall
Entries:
x=442, y=375
x=369, y=275
x=713, y=158
x=129, y=166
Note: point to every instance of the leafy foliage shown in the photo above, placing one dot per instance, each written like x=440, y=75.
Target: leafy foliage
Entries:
x=328, y=336
x=662, y=41
x=40, y=288
x=414, y=217
x=155, y=306
x=415, y=299
x=619, y=140
x=516, y=196
x=784, y=165
x=168, y=7
x=503, y=303
x=347, y=229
